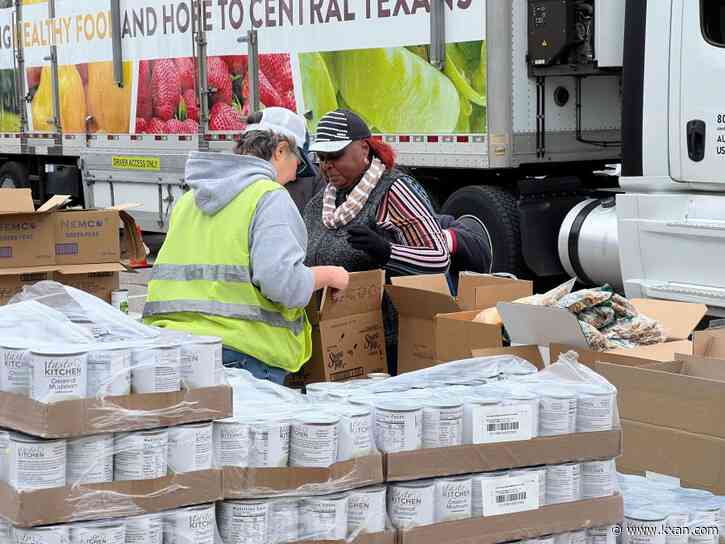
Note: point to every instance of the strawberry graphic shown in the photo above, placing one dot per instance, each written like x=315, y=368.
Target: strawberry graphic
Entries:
x=145, y=106
x=34, y=77
x=268, y=95
x=224, y=117
x=191, y=127
x=278, y=70
x=165, y=88
x=174, y=126
x=220, y=80
x=155, y=126
x=140, y=125
x=192, y=105
x=237, y=64
x=187, y=68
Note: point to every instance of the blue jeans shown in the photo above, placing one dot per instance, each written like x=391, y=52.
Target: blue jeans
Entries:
x=258, y=369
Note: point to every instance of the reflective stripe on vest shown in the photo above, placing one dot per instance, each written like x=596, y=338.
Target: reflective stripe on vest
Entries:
x=207, y=272
x=222, y=309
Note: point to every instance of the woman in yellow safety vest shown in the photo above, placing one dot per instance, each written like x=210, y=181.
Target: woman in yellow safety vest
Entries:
x=232, y=264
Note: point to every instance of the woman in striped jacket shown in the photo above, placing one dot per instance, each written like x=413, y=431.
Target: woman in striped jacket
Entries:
x=370, y=215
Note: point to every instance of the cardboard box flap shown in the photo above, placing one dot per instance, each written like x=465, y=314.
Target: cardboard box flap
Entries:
x=132, y=246
x=437, y=283
x=90, y=268
x=541, y=325
x=699, y=367
x=53, y=203
x=27, y=270
x=125, y=207
x=364, y=294
x=480, y=291
x=709, y=343
x=420, y=303
x=679, y=319
x=16, y=201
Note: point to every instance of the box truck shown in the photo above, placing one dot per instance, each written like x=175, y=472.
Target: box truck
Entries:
x=522, y=113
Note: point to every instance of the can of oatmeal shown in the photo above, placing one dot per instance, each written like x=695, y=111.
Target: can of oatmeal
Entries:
x=284, y=521
x=411, y=504
x=141, y=455
x=156, y=369
x=90, y=460
x=602, y=535
x=98, y=533
x=356, y=432
x=442, y=423
x=244, y=521
x=563, y=483
x=324, y=518
x=578, y=537
x=109, y=372
x=453, y=499
x=232, y=442
x=201, y=362
x=192, y=525
x=644, y=526
x=270, y=444
x=35, y=464
x=598, y=479
x=540, y=472
x=190, y=447
x=366, y=511
x=55, y=534
x=530, y=398
x=14, y=369
x=478, y=482
x=148, y=529
x=398, y=426
x=557, y=412
x=314, y=440
x=595, y=409
x=58, y=374
x=119, y=300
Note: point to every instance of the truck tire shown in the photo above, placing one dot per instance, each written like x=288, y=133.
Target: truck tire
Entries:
x=14, y=175
x=497, y=210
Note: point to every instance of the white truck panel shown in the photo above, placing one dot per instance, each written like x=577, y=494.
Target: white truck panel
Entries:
x=609, y=32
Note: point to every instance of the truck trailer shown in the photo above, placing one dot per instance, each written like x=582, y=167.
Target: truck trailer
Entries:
x=584, y=134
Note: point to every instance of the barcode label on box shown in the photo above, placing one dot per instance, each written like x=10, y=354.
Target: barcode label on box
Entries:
x=66, y=249
x=502, y=423
x=510, y=494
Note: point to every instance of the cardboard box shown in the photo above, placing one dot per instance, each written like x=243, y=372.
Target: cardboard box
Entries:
x=697, y=459
x=542, y=326
x=554, y=519
x=348, y=336
x=685, y=394
x=387, y=537
x=111, y=500
x=99, y=280
x=73, y=418
x=545, y=450
x=428, y=334
x=27, y=236
x=247, y=483
x=12, y=280
x=87, y=236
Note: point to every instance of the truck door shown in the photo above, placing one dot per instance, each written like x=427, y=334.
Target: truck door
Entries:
x=697, y=91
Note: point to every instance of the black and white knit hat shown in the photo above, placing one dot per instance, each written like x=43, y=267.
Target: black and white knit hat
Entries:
x=338, y=129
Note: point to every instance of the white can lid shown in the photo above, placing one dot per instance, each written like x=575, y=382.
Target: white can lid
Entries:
x=403, y=405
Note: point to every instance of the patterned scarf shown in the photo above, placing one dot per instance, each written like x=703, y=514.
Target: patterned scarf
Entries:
x=334, y=218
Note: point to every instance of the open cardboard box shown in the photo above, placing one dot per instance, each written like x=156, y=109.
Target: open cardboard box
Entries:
x=543, y=326
x=554, y=519
x=348, y=336
x=247, y=483
x=82, y=417
x=472, y=458
x=436, y=327
x=110, y=500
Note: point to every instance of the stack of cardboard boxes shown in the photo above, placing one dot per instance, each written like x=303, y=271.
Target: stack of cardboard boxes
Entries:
x=82, y=249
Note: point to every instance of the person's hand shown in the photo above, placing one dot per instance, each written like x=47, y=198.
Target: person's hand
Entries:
x=367, y=240
x=339, y=278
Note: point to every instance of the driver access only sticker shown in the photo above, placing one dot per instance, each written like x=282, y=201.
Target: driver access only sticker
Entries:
x=151, y=164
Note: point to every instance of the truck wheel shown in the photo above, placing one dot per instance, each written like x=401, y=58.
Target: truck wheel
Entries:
x=497, y=210
x=14, y=175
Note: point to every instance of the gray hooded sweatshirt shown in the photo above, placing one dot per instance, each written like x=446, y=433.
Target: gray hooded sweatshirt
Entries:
x=277, y=235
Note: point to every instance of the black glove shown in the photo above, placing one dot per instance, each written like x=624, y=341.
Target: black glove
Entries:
x=367, y=240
